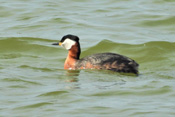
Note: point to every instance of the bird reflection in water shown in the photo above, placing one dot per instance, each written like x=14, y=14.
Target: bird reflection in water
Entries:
x=72, y=75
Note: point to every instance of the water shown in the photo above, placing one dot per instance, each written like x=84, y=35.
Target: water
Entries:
x=34, y=83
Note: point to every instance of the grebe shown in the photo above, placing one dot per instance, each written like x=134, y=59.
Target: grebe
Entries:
x=108, y=61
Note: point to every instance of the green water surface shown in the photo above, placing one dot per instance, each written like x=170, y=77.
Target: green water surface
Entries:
x=34, y=83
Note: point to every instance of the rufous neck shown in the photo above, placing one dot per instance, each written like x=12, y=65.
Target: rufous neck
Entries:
x=74, y=52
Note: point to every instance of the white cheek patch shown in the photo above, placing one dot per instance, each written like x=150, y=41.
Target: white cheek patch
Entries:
x=68, y=43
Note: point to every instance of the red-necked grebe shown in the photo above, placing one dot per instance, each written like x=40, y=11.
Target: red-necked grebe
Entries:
x=108, y=61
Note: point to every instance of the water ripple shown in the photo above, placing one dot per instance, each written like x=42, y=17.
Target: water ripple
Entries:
x=160, y=91
x=18, y=80
x=36, y=105
x=53, y=93
x=164, y=22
